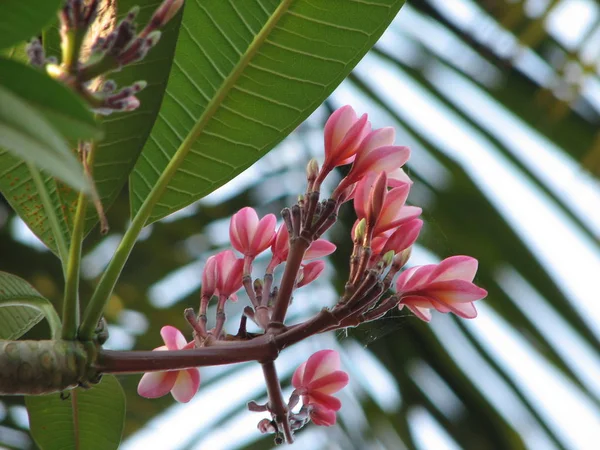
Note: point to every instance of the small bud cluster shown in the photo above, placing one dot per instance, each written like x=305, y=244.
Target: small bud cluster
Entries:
x=121, y=47
x=382, y=237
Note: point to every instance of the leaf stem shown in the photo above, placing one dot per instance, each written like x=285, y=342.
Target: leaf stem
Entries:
x=59, y=238
x=71, y=309
x=42, y=305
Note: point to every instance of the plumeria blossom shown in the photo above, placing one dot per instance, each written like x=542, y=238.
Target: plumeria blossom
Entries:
x=322, y=416
x=445, y=287
x=319, y=377
x=281, y=247
x=183, y=384
x=344, y=132
x=249, y=235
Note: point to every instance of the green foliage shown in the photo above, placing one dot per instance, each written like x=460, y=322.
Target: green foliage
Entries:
x=21, y=307
x=87, y=419
x=59, y=105
x=245, y=75
x=21, y=20
x=26, y=134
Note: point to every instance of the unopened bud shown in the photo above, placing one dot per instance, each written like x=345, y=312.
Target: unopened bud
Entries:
x=165, y=12
x=388, y=258
x=312, y=169
x=402, y=258
x=266, y=426
x=109, y=86
x=153, y=38
x=258, y=285
x=359, y=231
x=139, y=85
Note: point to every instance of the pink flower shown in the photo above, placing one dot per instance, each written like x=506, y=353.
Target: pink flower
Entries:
x=309, y=273
x=343, y=134
x=249, y=235
x=229, y=279
x=375, y=154
x=183, y=384
x=446, y=287
x=318, y=378
x=281, y=247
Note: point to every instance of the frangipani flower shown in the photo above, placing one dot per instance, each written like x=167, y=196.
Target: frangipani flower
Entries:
x=183, y=384
x=344, y=131
x=249, y=235
x=318, y=378
x=446, y=287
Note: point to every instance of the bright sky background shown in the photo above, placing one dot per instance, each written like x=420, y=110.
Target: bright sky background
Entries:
x=568, y=255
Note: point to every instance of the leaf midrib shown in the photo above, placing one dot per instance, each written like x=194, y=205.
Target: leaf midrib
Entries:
x=223, y=90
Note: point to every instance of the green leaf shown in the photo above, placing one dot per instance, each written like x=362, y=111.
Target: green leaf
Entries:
x=89, y=419
x=60, y=106
x=25, y=133
x=20, y=20
x=19, y=189
x=21, y=307
x=245, y=75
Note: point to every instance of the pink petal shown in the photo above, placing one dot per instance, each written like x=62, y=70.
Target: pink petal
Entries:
x=456, y=268
x=456, y=291
x=346, y=150
x=324, y=400
x=361, y=194
x=322, y=416
x=318, y=249
x=338, y=125
x=265, y=233
x=398, y=177
x=378, y=160
x=298, y=376
x=422, y=313
x=404, y=236
x=156, y=384
x=310, y=272
x=186, y=385
x=173, y=337
x=242, y=228
x=320, y=364
x=330, y=384
x=381, y=137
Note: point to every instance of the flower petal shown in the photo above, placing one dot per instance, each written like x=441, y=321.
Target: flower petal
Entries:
x=324, y=400
x=422, y=313
x=319, y=248
x=322, y=416
x=456, y=268
x=456, y=291
x=186, y=385
x=298, y=375
x=156, y=384
x=320, y=364
x=331, y=383
x=173, y=337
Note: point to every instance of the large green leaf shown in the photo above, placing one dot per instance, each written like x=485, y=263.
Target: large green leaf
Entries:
x=88, y=419
x=245, y=75
x=21, y=20
x=61, y=107
x=21, y=307
x=26, y=134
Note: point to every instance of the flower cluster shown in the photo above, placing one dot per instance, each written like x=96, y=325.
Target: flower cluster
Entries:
x=382, y=236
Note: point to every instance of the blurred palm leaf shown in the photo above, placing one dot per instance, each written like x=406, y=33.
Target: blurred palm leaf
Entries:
x=501, y=112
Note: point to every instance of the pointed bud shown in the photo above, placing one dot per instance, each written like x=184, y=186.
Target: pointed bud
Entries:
x=153, y=38
x=388, y=258
x=165, y=12
x=402, y=258
x=359, y=231
x=376, y=199
x=312, y=169
x=258, y=285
